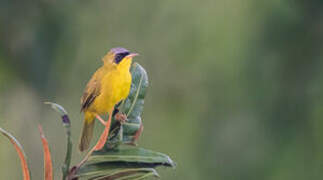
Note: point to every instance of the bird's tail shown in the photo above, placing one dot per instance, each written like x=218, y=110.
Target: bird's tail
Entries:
x=87, y=132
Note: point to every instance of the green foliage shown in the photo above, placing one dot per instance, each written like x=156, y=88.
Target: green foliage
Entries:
x=132, y=107
x=131, y=154
x=111, y=172
x=123, y=162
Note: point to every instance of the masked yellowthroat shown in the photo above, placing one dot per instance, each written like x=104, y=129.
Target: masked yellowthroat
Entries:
x=109, y=85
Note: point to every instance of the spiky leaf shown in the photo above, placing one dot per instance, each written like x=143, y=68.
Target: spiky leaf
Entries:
x=21, y=153
x=132, y=107
x=125, y=161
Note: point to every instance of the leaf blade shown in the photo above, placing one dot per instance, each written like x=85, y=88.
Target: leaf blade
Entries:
x=20, y=152
x=131, y=154
x=48, y=166
x=134, y=104
x=58, y=108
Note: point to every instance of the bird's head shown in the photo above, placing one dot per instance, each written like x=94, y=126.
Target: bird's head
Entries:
x=119, y=57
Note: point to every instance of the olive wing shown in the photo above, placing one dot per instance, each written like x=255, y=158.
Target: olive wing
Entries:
x=92, y=90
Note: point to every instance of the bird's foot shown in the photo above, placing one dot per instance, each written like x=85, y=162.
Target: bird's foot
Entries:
x=121, y=117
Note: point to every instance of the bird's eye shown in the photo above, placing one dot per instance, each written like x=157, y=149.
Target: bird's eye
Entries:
x=118, y=58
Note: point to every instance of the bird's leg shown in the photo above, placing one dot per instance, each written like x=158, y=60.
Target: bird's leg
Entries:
x=100, y=119
x=104, y=136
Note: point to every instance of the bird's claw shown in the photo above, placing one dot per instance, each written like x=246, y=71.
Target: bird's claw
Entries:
x=121, y=117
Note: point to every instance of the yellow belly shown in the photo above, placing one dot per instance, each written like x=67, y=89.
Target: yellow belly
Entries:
x=115, y=87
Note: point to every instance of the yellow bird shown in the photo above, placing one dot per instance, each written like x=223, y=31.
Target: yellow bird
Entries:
x=109, y=85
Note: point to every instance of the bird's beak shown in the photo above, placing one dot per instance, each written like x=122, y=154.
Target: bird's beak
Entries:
x=131, y=55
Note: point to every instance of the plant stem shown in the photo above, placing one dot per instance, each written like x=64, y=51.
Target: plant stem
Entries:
x=68, y=157
x=67, y=124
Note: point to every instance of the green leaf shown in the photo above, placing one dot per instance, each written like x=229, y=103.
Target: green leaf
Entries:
x=58, y=108
x=131, y=154
x=125, y=162
x=20, y=152
x=132, y=107
x=134, y=104
x=102, y=171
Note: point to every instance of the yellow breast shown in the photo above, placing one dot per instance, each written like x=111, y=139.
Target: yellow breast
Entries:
x=115, y=86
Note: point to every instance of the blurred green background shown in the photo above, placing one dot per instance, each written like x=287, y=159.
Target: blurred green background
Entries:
x=235, y=90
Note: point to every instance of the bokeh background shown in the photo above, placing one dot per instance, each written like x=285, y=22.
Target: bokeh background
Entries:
x=235, y=90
